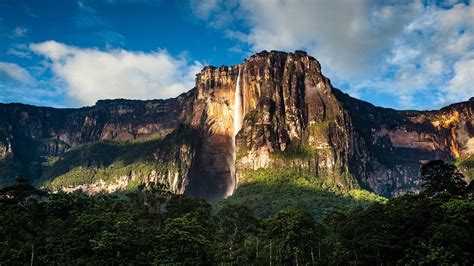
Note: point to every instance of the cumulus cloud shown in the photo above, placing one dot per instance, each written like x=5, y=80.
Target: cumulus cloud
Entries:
x=203, y=9
x=461, y=86
x=92, y=74
x=437, y=43
x=346, y=35
x=13, y=73
x=401, y=48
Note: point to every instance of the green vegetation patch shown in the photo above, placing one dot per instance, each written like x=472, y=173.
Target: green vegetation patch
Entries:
x=266, y=191
x=107, y=160
x=467, y=166
x=320, y=129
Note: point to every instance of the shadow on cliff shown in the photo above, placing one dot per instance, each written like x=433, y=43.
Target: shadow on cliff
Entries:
x=211, y=174
x=103, y=154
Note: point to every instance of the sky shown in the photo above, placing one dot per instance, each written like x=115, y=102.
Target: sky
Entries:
x=392, y=53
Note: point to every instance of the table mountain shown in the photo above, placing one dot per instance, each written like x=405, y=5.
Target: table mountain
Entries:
x=275, y=110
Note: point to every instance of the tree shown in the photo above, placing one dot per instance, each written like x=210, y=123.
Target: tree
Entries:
x=440, y=177
x=180, y=205
x=184, y=241
x=294, y=237
x=235, y=227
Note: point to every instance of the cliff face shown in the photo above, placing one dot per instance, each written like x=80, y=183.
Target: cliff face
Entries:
x=289, y=115
x=213, y=172
x=394, y=143
x=292, y=119
x=274, y=110
x=107, y=120
x=35, y=139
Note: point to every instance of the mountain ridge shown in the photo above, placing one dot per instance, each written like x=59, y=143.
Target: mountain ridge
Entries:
x=288, y=108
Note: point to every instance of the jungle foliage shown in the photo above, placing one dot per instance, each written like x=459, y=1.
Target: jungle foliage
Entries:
x=153, y=226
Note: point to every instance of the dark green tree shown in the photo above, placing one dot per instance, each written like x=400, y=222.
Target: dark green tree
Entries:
x=185, y=241
x=294, y=237
x=236, y=227
x=440, y=177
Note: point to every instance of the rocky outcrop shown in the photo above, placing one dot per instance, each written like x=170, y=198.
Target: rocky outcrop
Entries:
x=293, y=117
x=275, y=110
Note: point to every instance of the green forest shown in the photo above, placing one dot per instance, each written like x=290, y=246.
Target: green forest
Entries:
x=151, y=226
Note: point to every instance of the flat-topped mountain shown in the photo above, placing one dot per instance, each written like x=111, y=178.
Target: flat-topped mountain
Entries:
x=275, y=110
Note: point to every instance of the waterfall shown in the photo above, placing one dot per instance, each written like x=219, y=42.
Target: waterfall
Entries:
x=238, y=120
x=237, y=107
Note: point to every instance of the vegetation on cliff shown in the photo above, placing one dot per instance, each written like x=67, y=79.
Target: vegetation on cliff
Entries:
x=109, y=160
x=466, y=165
x=267, y=191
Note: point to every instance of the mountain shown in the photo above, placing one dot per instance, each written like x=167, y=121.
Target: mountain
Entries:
x=276, y=110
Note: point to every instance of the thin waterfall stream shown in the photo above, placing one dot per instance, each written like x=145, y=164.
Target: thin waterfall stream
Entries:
x=238, y=120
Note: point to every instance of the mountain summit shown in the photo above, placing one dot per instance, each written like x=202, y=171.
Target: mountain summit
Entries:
x=275, y=110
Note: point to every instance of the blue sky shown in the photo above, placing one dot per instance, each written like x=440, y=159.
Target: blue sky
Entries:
x=399, y=54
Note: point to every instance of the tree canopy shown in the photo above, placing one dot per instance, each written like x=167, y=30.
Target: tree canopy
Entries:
x=440, y=177
x=152, y=226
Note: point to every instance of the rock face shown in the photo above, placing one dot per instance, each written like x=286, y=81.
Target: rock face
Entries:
x=30, y=135
x=274, y=110
x=212, y=172
x=292, y=118
x=393, y=143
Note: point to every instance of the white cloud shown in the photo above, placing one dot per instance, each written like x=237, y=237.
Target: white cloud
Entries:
x=217, y=12
x=92, y=74
x=403, y=54
x=53, y=50
x=434, y=65
x=204, y=8
x=345, y=35
x=20, y=50
x=444, y=38
x=401, y=48
x=461, y=86
x=10, y=72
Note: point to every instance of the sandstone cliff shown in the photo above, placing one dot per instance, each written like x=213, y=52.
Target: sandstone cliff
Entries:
x=275, y=110
x=293, y=117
